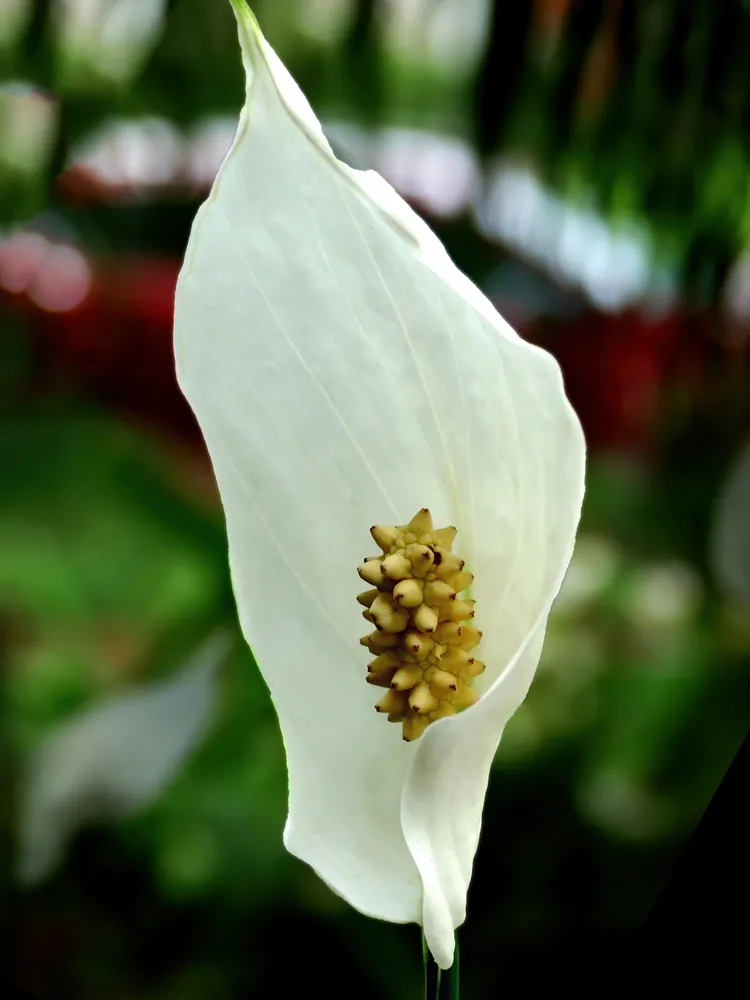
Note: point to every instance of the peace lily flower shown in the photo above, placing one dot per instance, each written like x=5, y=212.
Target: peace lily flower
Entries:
x=347, y=376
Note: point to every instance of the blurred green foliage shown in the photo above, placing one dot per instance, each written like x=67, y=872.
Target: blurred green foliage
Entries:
x=641, y=108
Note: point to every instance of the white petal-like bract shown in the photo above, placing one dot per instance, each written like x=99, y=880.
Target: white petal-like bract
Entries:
x=344, y=373
x=113, y=758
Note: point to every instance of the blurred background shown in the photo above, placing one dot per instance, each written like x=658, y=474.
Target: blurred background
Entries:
x=586, y=164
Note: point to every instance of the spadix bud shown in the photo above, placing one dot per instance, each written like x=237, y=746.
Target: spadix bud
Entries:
x=371, y=571
x=397, y=566
x=384, y=537
x=408, y=593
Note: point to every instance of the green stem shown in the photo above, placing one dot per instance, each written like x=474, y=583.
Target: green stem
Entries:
x=431, y=974
x=449, y=979
x=440, y=984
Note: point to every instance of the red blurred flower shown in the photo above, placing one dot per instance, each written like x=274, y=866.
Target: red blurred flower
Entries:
x=100, y=328
x=118, y=344
x=620, y=372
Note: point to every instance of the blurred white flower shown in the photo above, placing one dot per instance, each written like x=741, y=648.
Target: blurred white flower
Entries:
x=108, y=38
x=439, y=172
x=450, y=33
x=612, y=264
x=664, y=596
x=137, y=153
x=113, y=759
x=345, y=373
x=730, y=535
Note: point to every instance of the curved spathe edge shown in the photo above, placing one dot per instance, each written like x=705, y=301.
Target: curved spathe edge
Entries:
x=443, y=909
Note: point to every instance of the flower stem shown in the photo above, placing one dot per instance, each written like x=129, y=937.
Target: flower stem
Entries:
x=440, y=984
x=449, y=979
x=431, y=974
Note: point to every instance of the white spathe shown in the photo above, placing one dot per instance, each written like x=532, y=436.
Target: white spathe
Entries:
x=344, y=373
